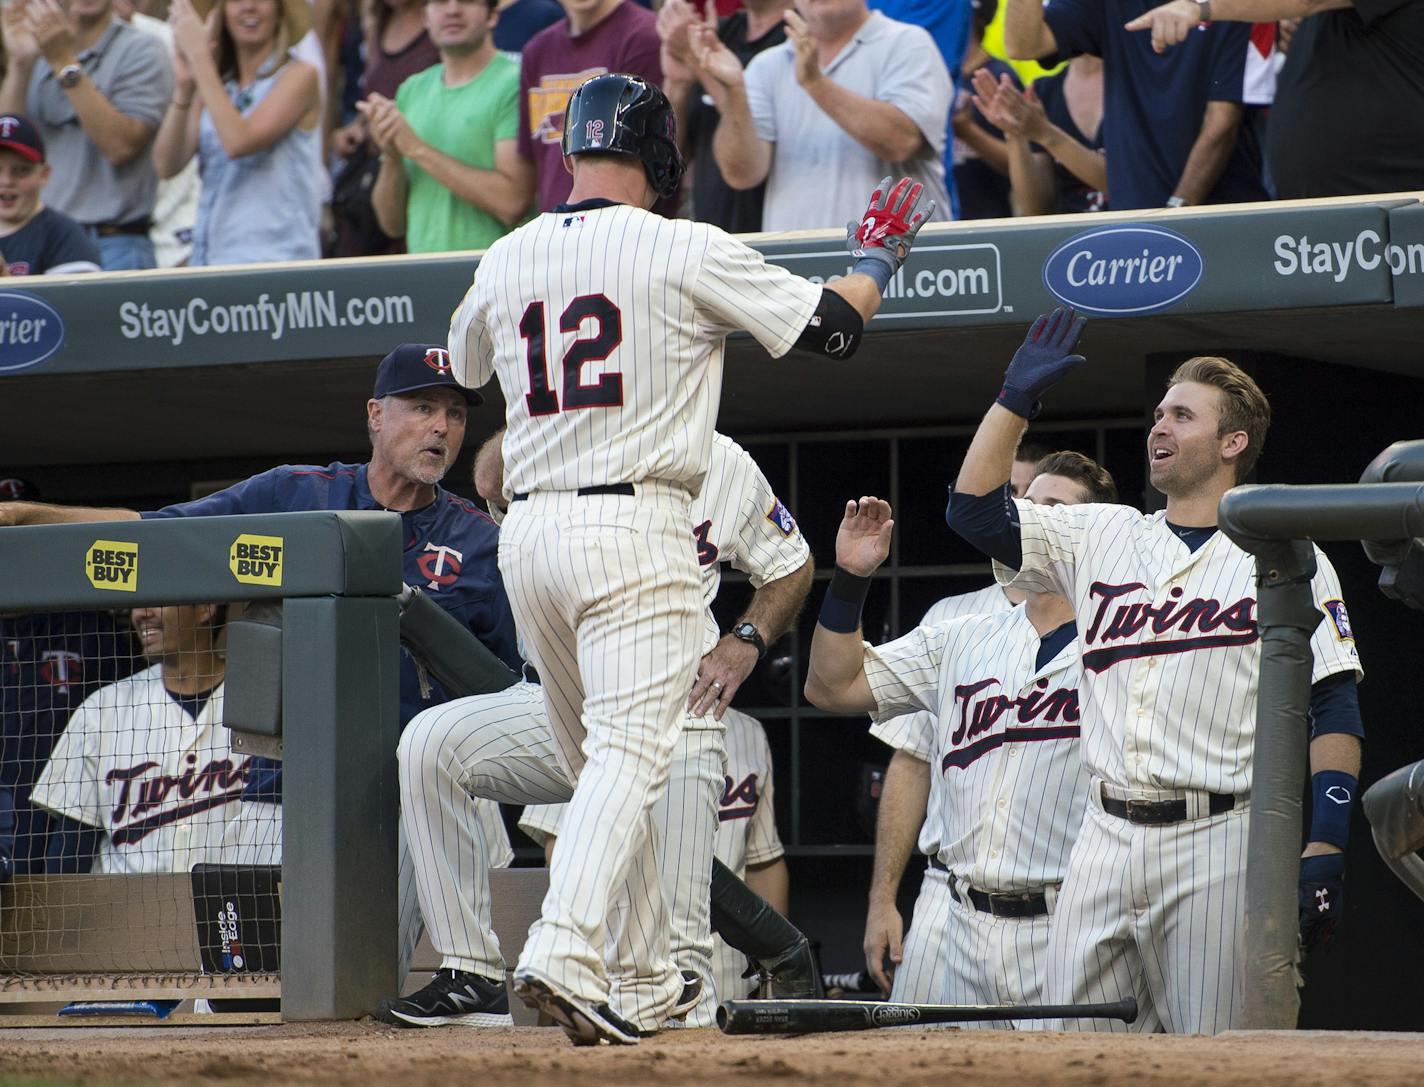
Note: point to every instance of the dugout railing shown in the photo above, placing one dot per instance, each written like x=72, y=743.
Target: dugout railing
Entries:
x=1277, y=524
x=336, y=575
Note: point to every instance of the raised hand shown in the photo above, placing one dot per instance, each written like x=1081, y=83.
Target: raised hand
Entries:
x=192, y=37
x=20, y=41
x=1018, y=113
x=1041, y=362
x=717, y=67
x=808, y=63
x=49, y=24
x=863, y=540
x=886, y=232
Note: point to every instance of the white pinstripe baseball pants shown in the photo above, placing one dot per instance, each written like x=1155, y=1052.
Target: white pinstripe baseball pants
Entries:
x=499, y=747
x=920, y=975
x=1155, y=913
x=606, y=594
x=993, y=960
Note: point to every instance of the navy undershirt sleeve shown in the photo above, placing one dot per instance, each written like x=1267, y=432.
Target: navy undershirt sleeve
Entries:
x=990, y=522
x=1335, y=706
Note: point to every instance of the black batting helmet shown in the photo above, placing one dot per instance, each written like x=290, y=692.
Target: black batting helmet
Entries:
x=627, y=115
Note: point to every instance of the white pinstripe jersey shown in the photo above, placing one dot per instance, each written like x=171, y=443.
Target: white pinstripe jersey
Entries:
x=1170, y=652
x=161, y=786
x=738, y=519
x=746, y=815
x=913, y=733
x=1005, y=775
x=606, y=328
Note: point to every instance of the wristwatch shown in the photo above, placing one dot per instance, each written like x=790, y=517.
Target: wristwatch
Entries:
x=747, y=632
x=1176, y=202
x=1203, y=11
x=70, y=75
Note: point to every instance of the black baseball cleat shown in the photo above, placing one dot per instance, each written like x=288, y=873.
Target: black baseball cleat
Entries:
x=584, y=1023
x=795, y=974
x=690, y=996
x=453, y=998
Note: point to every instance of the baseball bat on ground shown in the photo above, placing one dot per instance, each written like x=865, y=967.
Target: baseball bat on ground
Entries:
x=816, y=1016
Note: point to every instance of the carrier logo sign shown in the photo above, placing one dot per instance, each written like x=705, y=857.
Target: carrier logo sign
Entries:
x=257, y=560
x=112, y=564
x=30, y=331
x=1123, y=271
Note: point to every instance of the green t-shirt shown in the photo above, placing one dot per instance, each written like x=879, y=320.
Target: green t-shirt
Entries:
x=465, y=122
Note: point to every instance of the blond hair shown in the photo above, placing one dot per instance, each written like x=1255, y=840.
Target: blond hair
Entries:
x=1243, y=405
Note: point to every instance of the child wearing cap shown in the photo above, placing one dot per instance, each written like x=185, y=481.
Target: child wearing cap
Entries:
x=35, y=240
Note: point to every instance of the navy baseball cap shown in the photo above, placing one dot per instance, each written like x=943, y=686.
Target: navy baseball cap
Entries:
x=413, y=366
x=18, y=490
x=19, y=134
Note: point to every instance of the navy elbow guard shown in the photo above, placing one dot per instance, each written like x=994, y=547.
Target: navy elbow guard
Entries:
x=834, y=329
x=1332, y=794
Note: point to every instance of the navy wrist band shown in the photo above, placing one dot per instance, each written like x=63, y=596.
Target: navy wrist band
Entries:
x=1332, y=795
x=1019, y=402
x=845, y=596
x=878, y=270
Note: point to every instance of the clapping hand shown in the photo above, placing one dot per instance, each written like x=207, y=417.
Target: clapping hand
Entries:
x=1018, y=113
x=863, y=541
x=717, y=67
x=20, y=41
x=808, y=62
x=49, y=23
x=676, y=20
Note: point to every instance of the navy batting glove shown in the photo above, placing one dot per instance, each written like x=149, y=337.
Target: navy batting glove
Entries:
x=1045, y=357
x=1321, y=897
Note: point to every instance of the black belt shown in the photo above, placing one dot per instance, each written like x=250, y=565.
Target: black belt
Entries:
x=998, y=903
x=625, y=489
x=1162, y=811
x=108, y=230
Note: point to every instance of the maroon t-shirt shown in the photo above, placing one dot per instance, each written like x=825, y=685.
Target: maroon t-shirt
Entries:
x=555, y=63
x=385, y=72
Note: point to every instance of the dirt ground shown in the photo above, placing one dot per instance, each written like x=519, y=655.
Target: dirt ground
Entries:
x=369, y=1053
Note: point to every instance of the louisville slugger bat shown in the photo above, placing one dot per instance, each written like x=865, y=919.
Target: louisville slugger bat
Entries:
x=816, y=1016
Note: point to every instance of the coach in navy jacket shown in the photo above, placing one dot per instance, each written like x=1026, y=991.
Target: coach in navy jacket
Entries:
x=416, y=420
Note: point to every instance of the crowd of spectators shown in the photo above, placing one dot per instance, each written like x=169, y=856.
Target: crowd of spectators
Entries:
x=143, y=133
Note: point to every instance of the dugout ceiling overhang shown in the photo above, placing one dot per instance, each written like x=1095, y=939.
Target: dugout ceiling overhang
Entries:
x=277, y=360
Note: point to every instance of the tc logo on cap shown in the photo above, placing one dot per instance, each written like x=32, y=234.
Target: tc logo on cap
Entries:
x=8, y=126
x=438, y=359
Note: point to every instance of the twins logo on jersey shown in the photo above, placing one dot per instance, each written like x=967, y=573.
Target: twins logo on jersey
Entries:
x=781, y=517
x=440, y=564
x=143, y=802
x=1041, y=714
x=1205, y=622
x=739, y=798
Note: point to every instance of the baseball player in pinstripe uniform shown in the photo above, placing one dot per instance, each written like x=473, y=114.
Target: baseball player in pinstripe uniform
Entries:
x=143, y=777
x=746, y=842
x=605, y=325
x=500, y=747
x=1152, y=903
x=903, y=815
x=1007, y=792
